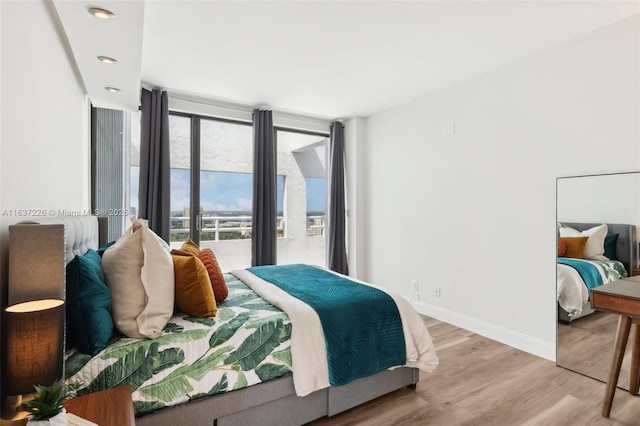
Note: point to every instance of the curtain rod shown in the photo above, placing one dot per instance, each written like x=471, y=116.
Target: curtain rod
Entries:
x=249, y=109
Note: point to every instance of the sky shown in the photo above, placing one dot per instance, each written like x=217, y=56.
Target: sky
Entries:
x=221, y=191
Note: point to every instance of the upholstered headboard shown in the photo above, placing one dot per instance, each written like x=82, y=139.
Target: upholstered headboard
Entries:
x=626, y=246
x=82, y=233
x=40, y=249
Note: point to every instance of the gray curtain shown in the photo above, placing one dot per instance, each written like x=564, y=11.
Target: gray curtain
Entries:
x=263, y=232
x=155, y=166
x=336, y=226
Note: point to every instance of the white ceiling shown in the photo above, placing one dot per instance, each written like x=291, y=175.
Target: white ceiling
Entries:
x=331, y=59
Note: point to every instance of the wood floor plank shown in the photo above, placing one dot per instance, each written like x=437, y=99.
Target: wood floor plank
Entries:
x=483, y=382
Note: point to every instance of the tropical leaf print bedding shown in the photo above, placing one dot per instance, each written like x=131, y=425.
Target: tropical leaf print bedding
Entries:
x=573, y=291
x=248, y=342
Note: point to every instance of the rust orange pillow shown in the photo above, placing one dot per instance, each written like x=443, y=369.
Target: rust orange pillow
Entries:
x=575, y=246
x=562, y=247
x=194, y=294
x=218, y=284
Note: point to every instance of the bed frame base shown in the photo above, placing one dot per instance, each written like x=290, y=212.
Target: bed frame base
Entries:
x=564, y=318
x=275, y=402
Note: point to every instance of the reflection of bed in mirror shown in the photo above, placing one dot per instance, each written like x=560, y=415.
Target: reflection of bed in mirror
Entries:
x=573, y=288
x=584, y=345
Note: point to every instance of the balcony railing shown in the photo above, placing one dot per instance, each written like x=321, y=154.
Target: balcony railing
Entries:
x=238, y=226
x=315, y=225
x=211, y=227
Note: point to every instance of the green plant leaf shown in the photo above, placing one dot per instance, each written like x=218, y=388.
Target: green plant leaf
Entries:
x=224, y=333
x=47, y=403
x=257, y=346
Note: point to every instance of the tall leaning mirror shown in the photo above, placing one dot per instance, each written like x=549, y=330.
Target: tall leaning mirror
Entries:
x=583, y=205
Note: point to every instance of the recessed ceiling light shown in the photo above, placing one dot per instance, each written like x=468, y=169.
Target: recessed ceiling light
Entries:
x=112, y=89
x=107, y=60
x=101, y=13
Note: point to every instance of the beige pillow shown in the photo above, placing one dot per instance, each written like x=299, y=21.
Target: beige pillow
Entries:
x=139, y=272
x=595, y=244
x=159, y=282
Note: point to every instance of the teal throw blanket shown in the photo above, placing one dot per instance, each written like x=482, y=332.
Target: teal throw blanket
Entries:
x=589, y=273
x=361, y=324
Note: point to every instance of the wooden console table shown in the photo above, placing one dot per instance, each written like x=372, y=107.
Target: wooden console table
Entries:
x=621, y=297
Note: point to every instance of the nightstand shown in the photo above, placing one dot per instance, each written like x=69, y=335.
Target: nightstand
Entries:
x=635, y=271
x=111, y=407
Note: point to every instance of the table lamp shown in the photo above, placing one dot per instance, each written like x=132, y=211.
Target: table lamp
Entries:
x=34, y=347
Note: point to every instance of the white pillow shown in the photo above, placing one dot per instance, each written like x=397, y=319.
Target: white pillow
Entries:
x=595, y=244
x=139, y=272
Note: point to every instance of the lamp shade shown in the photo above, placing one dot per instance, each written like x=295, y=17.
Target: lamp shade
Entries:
x=34, y=342
x=36, y=262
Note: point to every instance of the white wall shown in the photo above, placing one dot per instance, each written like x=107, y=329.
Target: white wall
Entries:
x=473, y=210
x=355, y=182
x=44, y=151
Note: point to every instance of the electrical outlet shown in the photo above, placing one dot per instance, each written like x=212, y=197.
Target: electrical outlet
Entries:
x=437, y=291
x=414, y=285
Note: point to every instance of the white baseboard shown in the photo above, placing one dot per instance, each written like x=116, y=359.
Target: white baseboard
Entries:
x=520, y=341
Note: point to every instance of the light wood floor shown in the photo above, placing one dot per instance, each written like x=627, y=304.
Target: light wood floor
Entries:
x=483, y=382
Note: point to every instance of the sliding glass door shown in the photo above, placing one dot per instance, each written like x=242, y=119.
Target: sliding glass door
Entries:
x=301, y=162
x=212, y=189
x=180, y=147
x=226, y=183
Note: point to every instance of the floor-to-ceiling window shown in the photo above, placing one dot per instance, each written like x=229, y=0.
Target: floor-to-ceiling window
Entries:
x=212, y=188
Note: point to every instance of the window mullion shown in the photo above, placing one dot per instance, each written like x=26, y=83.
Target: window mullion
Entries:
x=196, y=220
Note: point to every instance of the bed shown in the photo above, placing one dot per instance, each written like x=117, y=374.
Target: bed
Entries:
x=572, y=290
x=263, y=391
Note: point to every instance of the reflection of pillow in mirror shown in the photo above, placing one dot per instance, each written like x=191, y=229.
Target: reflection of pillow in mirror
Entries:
x=610, y=246
x=562, y=247
x=595, y=244
x=575, y=246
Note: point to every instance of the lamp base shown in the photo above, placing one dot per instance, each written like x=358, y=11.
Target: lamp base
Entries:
x=12, y=413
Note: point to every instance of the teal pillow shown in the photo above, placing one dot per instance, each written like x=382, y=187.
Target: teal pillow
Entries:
x=104, y=248
x=610, y=243
x=89, y=320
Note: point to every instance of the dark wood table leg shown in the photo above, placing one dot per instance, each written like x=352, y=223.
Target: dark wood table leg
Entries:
x=622, y=335
x=635, y=359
